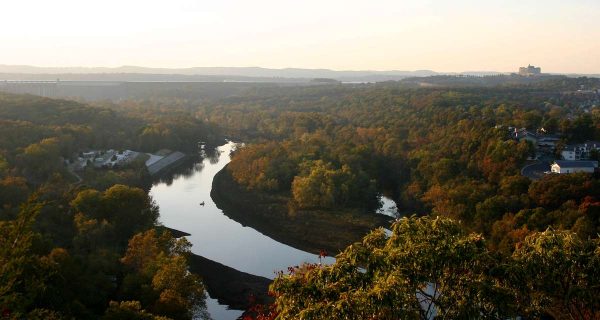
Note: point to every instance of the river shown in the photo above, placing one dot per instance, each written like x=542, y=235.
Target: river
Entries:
x=214, y=235
x=219, y=238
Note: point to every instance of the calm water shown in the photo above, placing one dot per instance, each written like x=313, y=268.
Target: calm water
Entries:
x=214, y=235
x=219, y=238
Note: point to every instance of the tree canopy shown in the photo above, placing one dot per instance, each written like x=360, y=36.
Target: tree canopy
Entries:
x=429, y=267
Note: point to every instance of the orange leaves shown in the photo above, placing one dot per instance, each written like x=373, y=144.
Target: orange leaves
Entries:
x=142, y=250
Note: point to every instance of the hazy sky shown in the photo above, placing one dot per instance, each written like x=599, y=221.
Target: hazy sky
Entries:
x=448, y=35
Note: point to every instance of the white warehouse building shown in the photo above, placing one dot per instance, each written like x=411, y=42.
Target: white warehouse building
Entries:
x=565, y=166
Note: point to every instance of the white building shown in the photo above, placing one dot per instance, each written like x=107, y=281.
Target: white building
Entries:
x=105, y=159
x=565, y=166
x=579, y=151
x=569, y=154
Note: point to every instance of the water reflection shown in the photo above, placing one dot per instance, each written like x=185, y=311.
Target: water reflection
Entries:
x=214, y=235
x=183, y=171
x=218, y=311
x=189, y=167
x=214, y=156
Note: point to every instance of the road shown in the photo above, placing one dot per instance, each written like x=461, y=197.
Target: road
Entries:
x=536, y=170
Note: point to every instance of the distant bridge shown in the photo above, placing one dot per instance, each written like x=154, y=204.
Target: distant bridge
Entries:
x=45, y=88
x=7, y=82
x=55, y=88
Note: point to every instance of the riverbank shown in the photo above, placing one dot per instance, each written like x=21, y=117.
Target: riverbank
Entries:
x=231, y=287
x=235, y=262
x=236, y=289
x=174, y=232
x=306, y=230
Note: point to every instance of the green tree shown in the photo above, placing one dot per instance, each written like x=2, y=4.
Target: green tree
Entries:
x=129, y=310
x=21, y=275
x=4, y=167
x=41, y=160
x=13, y=191
x=557, y=273
x=160, y=278
x=127, y=209
x=427, y=266
x=323, y=186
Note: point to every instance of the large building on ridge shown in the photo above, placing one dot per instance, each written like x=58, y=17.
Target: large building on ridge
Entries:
x=530, y=71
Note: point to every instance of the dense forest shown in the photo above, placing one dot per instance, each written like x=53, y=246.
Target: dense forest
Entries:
x=474, y=237
x=68, y=250
x=36, y=133
x=438, y=152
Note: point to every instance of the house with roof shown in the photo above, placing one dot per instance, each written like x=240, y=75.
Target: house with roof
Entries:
x=548, y=141
x=567, y=166
x=579, y=151
x=524, y=134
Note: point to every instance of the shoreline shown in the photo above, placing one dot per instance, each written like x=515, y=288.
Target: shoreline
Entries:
x=310, y=231
x=307, y=230
x=236, y=289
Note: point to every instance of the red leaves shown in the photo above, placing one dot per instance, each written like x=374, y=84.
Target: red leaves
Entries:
x=291, y=270
x=261, y=312
x=322, y=254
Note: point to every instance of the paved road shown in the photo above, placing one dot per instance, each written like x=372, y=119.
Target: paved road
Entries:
x=536, y=170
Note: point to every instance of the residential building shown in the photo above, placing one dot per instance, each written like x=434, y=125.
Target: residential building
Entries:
x=104, y=159
x=580, y=151
x=524, y=134
x=547, y=141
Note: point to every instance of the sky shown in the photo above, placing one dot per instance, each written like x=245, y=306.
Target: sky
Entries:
x=440, y=35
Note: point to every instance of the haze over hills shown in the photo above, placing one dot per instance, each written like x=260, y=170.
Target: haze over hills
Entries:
x=220, y=71
x=133, y=73
x=199, y=73
x=252, y=74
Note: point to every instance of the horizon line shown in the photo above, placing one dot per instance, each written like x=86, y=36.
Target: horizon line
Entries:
x=283, y=68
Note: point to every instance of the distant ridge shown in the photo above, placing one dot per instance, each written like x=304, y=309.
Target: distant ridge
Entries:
x=215, y=71
x=136, y=73
x=250, y=72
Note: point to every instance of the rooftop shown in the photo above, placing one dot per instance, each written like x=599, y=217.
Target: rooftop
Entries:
x=587, y=144
x=576, y=164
